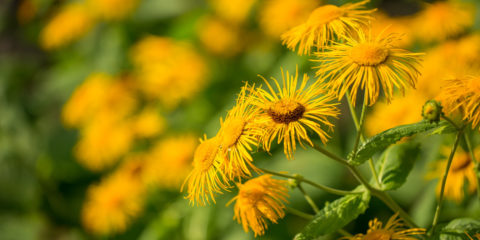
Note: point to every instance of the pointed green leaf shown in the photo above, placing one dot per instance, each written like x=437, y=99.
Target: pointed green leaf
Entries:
x=458, y=229
x=395, y=164
x=386, y=138
x=335, y=215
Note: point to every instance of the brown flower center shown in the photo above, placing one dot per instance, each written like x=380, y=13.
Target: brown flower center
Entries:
x=368, y=54
x=286, y=111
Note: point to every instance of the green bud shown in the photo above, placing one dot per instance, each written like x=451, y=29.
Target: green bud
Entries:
x=432, y=111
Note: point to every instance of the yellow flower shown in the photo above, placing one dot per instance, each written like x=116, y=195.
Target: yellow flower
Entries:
x=260, y=199
x=288, y=113
x=443, y=19
x=463, y=93
x=70, y=23
x=234, y=11
x=148, y=123
x=384, y=24
x=325, y=24
x=238, y=133
x=112, y=10
x=402, y=110
x=393, y=230
x=103, y=142
x=462, y=171
x=206, y=179
x=169, y=161
x=160, y=68
x=368, y=63
x=219, y=37
x=111, y=205
x=278, y=16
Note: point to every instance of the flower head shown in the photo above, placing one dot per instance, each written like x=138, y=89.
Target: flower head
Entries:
x=260, y=199
x=393, y=230
x=368, y=63
x=70, y=23
x=234, y=11
x=288, y=112
x=206, y=179
x=112, y=10
x=220, y=37
x=325, y=23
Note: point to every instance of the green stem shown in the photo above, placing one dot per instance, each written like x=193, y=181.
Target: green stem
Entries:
x=474, y=159
x=319, y=186
x=344, y=233
x=308, y=198
x=444, y=180
x=299, y=213
x=352, y=111
x=360, y=127
x=451, y=122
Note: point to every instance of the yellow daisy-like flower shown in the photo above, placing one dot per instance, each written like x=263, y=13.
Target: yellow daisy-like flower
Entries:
x=260, y=199
x=325, y=23
x=368, y=63
x=462, y=171
x=384, y=24
x=70, y=23
x=112, y=10
x=111, y=205
x=206, y=179
x=219, y=37
x=443, y=19
x=289, y=112
x=278, y=16
x=462, y=93
x=238, y=133
x=393, y=230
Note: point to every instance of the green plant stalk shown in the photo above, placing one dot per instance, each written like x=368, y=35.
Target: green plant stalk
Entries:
x=319, y=186
x=359, y=126
x=308, y=198
x=344, y=233
x=299, y=213
x=474, y=159
x=444, y=180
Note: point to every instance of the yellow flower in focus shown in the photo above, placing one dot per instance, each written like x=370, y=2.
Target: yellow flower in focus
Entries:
x=278, y=16
x=325, y=24
x=111, y=205
x=69, y=24
x=462, y=93
x=238, y=133
x=443, y=19
x=289, y=112
x=368, y=63
x=462, y=171
x=148, y=123
x=393, y=230
x=206, y=179
x=103, y=142
x=160, y=68
x=260, y=199
x=169, y=162
x=234, y=11
x=402, y=110
x=220, y=37
x=112, y=10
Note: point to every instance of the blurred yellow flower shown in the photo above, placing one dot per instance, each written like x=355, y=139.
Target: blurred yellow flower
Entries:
x=260, y=199
x=160, y=68
x=462, y=171
x=289, y=112
x=169, y=161
x=233, y=11
x=112, y=10
x=238, y=133
x=402, y=110
x=206, y=179
x=393, y=230
x=443, y=19
x=370, y=64
x=278, y=16
x=325, y=24
x=70, y=23
x=148, y=123
x=219, y=37
x=111, y=205
x=103, y=141
x=384, y=24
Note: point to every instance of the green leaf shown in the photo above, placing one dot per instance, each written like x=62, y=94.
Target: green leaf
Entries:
x=386, y=138
x=396, y=163
x=458, y=229
x=335, y=215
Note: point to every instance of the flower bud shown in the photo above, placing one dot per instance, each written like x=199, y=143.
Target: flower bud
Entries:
x=432, y=111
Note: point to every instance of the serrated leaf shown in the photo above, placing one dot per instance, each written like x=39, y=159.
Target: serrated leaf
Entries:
x=386, y=138
x=457, y=229
x=335, y=215
x=395, y=165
